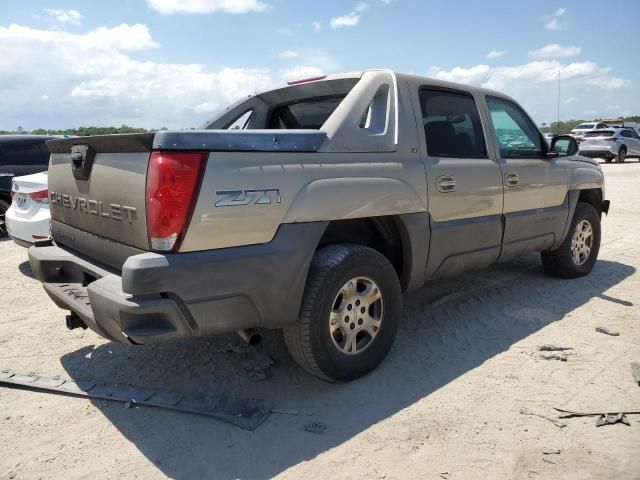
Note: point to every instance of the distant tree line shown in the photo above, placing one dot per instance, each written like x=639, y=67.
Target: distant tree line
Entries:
x=80, y=131
x=566, y=127
x=554, y=127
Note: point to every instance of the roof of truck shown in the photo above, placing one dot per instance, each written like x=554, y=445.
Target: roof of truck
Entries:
x=416, y=80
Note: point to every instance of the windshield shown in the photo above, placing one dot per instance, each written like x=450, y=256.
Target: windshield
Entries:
x=600, y=133
x=585, y=126
x=307, y=114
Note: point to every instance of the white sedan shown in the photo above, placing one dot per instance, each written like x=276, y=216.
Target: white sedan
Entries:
x=28, y=218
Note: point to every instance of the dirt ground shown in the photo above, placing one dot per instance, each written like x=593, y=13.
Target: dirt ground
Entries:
x=446, y=403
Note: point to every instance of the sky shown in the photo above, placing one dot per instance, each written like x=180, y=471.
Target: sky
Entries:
x=174, y=63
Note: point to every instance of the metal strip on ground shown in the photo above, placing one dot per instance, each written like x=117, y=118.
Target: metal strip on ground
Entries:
x=244, y=413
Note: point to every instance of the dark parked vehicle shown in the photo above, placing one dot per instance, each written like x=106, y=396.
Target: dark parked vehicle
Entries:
x=19, y=155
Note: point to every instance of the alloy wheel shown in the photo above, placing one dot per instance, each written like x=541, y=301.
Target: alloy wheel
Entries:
x=356, y=315
x=582, y=242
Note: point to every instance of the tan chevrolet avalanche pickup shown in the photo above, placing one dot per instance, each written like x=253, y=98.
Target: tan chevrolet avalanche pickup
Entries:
x=310, y=208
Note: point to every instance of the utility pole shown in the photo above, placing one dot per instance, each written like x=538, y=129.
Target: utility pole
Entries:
x=558, y=124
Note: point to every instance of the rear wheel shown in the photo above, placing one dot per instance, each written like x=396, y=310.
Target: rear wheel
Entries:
x=349, y=315
x=4, y=206
x=578, y=253
x=622, y=155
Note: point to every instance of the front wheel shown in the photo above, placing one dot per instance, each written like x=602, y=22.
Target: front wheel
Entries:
x=350, y=312
x=578, y=253
x=622, y=155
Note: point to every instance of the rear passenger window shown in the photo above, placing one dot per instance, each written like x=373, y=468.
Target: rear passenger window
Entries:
x=452, y=125
x=517, y=135
x=306, y=114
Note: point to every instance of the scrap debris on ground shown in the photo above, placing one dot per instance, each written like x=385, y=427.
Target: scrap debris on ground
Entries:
x=555, y=421
x=554, y=356
x=547, y=347
x=315, y=427
x=606, y=331
x=245, y=413
x=611, y=419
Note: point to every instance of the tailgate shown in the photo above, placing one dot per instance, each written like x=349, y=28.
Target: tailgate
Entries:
x=102, y=190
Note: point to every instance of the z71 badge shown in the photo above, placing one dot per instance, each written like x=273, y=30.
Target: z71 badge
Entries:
x=230, y=198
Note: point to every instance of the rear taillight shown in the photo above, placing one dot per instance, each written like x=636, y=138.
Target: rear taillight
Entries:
x=610, y=139
x=40, y=197
x=173, y=182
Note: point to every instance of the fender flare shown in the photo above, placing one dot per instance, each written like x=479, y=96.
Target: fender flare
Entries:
x=586, y=178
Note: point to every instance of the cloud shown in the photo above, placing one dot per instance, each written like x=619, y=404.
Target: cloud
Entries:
x=169, y=7
x=534, y=83
x=610, y=83
x=317, y=26
x=553, y=50
x=91, y=79
x=207, y=107
x=300, y=72
x=501, y=78
x=555, y=21
x=64, y=16
x=474, y=75
x=121, y=37
x=552, y=24
x=288, y=54
x=496, y=53
x=351, y=19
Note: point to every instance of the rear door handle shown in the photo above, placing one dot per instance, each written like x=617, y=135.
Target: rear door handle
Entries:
x=511, y=179
x=446, y=184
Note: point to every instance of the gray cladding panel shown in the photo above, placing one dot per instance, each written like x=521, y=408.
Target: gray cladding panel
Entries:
x=460, y=245
x=528, y=224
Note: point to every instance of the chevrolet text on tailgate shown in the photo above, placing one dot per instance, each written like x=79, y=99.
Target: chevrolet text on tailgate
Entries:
x=310, y=208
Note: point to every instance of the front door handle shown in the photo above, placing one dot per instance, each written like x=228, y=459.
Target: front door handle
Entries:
x=511, y=179
x=446, y=184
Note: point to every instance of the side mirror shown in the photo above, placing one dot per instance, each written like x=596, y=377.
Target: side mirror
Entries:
x=563, y=146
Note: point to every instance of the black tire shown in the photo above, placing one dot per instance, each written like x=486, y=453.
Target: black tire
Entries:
x=560, y=263
x=4, y=206
x=309, y=339
x=622, y=155
x=608, y=159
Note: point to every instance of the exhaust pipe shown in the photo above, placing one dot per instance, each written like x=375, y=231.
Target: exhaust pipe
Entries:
x=250, y=336
x=74, y=321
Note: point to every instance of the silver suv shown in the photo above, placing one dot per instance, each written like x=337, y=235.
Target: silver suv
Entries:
x=610, y=144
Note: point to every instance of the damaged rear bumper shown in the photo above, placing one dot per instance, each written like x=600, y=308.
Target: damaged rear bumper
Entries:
x=157, y=298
